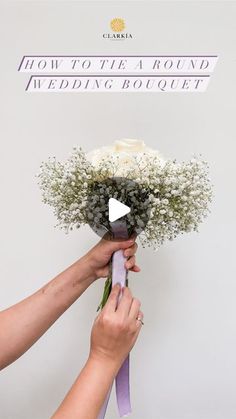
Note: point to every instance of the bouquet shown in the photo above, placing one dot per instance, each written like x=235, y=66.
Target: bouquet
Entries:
x=166, y=198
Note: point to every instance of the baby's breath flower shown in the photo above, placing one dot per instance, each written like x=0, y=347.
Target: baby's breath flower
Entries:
x=175, y=196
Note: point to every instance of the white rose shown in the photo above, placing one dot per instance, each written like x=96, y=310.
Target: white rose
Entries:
x=124, y=152
x=129, y=145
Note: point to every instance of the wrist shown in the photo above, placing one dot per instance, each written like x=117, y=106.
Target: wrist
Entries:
x=91, y=265
x=85, y=270
x=108, y=364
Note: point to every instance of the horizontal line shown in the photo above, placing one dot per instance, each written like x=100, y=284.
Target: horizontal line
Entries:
x=120, y=75
x=101, y=55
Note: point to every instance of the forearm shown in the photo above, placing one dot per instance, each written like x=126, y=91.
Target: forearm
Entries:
x=89, y=391
x=22, y=324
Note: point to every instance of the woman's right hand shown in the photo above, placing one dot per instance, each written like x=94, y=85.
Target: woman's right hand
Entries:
x=116, y=328
x=114, y=333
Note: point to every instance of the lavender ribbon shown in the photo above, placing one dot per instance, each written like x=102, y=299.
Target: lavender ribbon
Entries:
x=119, y=274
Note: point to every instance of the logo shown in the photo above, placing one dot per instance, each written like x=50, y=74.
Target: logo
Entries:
x=117, y=25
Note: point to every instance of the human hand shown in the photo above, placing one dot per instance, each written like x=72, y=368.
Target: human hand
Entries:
x=116, y=328
x=99, y=256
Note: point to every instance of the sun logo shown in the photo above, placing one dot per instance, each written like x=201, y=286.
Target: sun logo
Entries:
x=117, y=24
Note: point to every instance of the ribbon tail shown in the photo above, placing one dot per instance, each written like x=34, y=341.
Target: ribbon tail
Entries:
x=123, y=389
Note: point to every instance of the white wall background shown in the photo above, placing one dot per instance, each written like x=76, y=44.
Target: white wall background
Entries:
x=184, y=364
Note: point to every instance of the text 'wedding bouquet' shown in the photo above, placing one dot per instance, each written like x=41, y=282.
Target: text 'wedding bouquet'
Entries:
x=166, y=198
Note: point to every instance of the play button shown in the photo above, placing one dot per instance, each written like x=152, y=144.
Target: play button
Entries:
x=116, y=210
x=115, y=200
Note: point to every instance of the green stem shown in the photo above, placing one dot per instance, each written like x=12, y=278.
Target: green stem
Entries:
x=107, y=290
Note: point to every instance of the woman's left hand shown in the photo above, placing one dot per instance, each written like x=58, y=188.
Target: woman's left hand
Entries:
x=100, y=255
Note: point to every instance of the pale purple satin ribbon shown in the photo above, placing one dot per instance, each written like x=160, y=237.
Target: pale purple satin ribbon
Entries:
x=119, y=274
